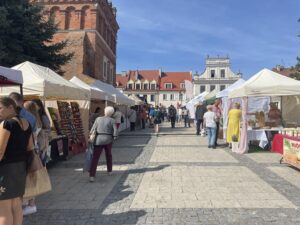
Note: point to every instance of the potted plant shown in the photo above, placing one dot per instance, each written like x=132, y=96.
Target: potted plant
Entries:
x=234, y=143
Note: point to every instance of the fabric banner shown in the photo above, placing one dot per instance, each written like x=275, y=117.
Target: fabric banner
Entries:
x=291, y=152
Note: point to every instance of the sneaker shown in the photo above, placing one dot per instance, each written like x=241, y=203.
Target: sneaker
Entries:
x=92, y=179
x=27, y=210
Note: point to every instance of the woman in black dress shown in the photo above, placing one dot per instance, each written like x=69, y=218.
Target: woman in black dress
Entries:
x=15, y=140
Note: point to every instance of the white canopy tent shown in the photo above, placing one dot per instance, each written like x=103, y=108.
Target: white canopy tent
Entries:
x=136, y=100
x=263, y=83
x=224, y=93
x=119, y=97
x=96, y=93
x=11, y=77
x=42, y=82
x=267, y=83
x=210, y=94
x=191, y=104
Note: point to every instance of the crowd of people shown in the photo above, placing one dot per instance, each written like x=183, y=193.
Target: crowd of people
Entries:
x=24, y=127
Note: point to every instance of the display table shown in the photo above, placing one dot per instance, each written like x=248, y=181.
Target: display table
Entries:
x=264, y=136
x=277, y=144
x=258, y=135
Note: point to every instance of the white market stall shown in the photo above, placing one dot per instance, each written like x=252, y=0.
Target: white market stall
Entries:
x=11, y=77
x=262, y=84
x=193, y=102
x=41, y=82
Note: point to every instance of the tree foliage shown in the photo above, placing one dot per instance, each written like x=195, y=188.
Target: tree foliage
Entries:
x=296, y=68
x=27, y=36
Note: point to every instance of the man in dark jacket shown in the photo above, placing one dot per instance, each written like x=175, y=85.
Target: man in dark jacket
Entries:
x=172, y=115
x=200, y=110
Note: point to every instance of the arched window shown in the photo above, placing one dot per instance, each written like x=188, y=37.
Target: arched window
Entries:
x=84, y=14
x=55, y=15
x=70, y=18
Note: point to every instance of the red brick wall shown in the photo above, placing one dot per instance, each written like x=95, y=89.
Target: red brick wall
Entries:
x=85, y=26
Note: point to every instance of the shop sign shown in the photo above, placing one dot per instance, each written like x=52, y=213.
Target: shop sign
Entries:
x=291, y=152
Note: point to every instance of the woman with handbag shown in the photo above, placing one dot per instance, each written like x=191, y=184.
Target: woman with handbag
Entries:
x=104, y=131
x=15, y=141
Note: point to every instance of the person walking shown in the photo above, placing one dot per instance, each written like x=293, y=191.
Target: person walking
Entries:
x=210, y=124
x=186, y=117
x=132, y=118
x=200, y=110
x=94, y=116
x=156, y=119
x=172, y=115
x=217, y=110
x=117, y=116
x=106, y=132
x=143, y=116
x=234, y=119
x=15, y=141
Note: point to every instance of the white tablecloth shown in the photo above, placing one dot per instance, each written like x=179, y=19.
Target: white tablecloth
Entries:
x=258, y=135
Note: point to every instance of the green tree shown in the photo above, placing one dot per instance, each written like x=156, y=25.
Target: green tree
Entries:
x=296, y=68
x=27, y=36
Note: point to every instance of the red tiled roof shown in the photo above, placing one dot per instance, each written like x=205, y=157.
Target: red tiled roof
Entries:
x=143, y=75
x=176, y=78
x=284, y=71
x=121, y=81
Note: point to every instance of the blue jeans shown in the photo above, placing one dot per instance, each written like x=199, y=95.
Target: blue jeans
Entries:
x=211, y=136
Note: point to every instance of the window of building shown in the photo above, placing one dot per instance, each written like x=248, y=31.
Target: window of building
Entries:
x=222, y=73
x=212, y=73
x=137, y=86
x=168, y=85
x=222, y=87
x=164, y=96
x=182, y=85
x=171, y=96
x=152, y=99
x=202, y=88
x=104, y=69
x=153, y=86
x=145, y=86
x=212, y=87
x=130, y=86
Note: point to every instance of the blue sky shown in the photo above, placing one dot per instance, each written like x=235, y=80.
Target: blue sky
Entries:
x=177, y=35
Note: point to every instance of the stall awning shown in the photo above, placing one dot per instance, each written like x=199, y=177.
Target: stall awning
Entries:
x=43, y=82
x=10, y=76
x=267, y=83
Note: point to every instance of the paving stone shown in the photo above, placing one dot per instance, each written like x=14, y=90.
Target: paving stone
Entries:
x=217, y=188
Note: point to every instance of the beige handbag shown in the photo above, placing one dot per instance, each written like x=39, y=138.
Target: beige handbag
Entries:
x=37, y=183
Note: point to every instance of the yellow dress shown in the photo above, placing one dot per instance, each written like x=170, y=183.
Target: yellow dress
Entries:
x=233, y=128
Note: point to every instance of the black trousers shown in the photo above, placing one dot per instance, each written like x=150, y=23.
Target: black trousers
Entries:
x=173, y=118
x=199, y=123
x=217, y=132
x=187, y=121
x=132, y=126
x=143, y=124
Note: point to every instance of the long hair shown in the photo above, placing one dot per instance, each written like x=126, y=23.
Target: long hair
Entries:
x=32, y=107
x=42, y=110
x=7, y=101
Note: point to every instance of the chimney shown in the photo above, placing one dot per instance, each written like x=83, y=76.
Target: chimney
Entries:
x=159, y=71
x=136, y=75
x=124, y=73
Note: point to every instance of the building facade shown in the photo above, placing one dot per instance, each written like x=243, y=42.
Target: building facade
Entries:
x=154, y=86
x=90, y=26
x=217, y=75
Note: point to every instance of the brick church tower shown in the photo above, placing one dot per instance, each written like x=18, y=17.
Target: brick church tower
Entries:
x=91, y=28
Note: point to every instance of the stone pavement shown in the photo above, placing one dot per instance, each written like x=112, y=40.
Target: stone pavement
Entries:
x=172, y=178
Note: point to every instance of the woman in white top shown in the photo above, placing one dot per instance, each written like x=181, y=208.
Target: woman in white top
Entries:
x=211, y=126
x=117, y=116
